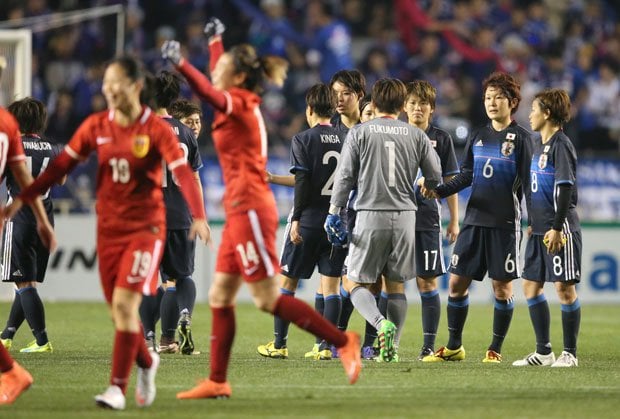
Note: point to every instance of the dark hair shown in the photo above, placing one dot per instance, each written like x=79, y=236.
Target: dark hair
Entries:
x=352, y=79
x=321, y=99
x=167, y=89
x=183, y=108
x=507, y=84
x=148, y=92
x=365, y=101
x=31, y=115
x=557, y=103
x=246, y=60
x=424, y=90
x=133, y=68
x=389, y=95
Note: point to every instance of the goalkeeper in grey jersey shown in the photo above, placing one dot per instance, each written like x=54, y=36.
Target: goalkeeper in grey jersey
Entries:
x=381, y=159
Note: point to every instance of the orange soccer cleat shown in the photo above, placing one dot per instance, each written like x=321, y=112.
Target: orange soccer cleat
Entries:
x=350, y=357
x=13, y=383
x=207, y=389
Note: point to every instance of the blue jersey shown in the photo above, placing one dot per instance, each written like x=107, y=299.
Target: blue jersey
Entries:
x=317, y=152
x=39, y=153
x=428, y=217
x=553, y=164
x=178, y=216
x=496, y=164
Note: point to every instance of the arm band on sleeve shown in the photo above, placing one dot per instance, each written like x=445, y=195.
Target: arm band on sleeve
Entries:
x=565, y=192
x=454, y=185
x=189, y=189
x=302, y=193
x=61, y=165
x=203, y=87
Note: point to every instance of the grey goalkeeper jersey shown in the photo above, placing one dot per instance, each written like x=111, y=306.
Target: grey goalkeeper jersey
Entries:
x=381, y=158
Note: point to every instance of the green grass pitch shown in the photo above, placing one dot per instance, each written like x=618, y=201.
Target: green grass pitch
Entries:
x=67, y=379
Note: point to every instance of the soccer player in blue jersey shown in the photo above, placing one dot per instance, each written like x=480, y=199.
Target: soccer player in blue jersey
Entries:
x=25, y=258
x=553, y=252
x=496, y=164
x=314, y=157
x=176, y=298
x=189, y=113
x=419, y=107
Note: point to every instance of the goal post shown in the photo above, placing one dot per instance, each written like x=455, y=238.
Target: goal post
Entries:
x=16, y=78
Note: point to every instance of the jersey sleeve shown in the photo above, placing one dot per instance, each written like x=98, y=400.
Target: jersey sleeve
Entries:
x=200, y=84
x=465, y=176
x=83, y=141
x=429, y=162
x=564, y=160
x=15, y=153
x=299, y=156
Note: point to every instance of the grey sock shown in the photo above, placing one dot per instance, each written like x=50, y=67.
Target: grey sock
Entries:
x=365, y=303
x=397, y=313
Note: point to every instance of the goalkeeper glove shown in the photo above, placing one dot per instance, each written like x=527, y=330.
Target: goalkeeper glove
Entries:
x=213, y=28
x=336, y=233
x=171, y=50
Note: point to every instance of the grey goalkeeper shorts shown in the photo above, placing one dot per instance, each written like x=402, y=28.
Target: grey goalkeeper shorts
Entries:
x=383, y=242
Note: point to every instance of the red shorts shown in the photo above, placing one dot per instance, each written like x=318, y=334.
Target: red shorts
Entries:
x=130, y=262
x=248, y=245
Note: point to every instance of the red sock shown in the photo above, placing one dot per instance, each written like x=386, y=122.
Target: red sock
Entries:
x=123, y=357
x=222, y=336
x=304, y=316
x=143, y=357
x=6, y=362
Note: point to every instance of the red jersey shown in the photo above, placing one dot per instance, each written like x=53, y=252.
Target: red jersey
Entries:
x=240, y=139
x=129, y=175
x=11, y=148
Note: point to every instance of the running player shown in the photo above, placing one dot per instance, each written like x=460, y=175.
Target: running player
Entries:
x=247, y=250
x=496, y=165
x=419, y=107
x=25, y=258
x=381, y=158
x=314, y=156
x=553, y=252
x=130, y=141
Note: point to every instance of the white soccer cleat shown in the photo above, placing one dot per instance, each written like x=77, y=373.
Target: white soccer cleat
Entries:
x=566, y=360
x=535, y=359
x=145, y=385
x=112, y=398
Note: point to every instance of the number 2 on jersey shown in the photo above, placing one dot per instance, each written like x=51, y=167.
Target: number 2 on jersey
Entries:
x=328, y=187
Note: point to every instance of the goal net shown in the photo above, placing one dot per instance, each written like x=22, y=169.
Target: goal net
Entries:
x=16, y=49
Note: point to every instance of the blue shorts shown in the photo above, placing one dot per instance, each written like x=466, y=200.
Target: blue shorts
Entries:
x=299, y=261
x=179, y=254
x=24, y=257
x=429, y=254
x=479, y=250
x=564, y=266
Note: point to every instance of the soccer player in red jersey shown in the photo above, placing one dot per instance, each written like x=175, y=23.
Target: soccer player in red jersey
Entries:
x=14, y=379
x=247, y=251
x=130, y=141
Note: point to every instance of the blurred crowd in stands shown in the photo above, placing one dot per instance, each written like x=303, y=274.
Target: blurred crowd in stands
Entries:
x=572, y=44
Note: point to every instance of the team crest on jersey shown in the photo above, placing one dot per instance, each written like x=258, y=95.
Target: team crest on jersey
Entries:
x=511, y=136
x=542, y=161
x=508, y=147
x=140, y=146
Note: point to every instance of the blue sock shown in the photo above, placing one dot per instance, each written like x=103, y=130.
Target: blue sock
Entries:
x=502, y=315
x=541, y=321
x=457, y=314
x=571, y=319
x=280, y=326
x=431, y=312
